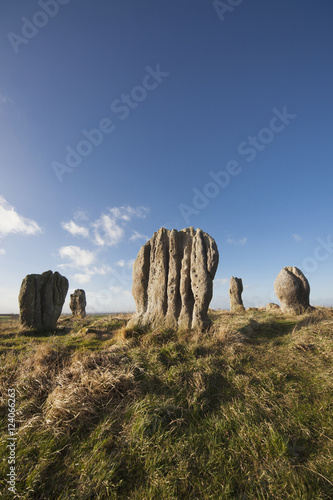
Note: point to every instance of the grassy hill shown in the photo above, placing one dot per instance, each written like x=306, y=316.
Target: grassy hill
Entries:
x=243, y=411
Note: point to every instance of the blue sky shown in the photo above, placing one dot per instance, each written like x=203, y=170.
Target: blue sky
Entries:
x=118, y=118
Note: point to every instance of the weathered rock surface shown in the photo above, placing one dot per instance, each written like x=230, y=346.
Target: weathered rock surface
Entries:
x=41, y=299
x=272, y=307
x=235, y=294
x=173, y=279
x=293, y=290
x=78, y=303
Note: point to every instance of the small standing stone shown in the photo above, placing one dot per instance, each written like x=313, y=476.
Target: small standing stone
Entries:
x=235, y=294
x=272, y=307
x=41, y=299
x=78, y=303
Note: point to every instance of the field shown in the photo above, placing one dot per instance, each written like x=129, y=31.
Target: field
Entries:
x=244, y=411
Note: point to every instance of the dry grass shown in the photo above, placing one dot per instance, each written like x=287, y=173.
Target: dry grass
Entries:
x=241, y=411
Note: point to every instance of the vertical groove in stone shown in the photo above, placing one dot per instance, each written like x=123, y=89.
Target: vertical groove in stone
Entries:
x=157, y=284
x=173, y=296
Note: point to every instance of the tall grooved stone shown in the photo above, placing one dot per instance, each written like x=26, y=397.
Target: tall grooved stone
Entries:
x=173, y=279
x=41, y=299
x=78, y=303
x=235, y=294
x=293, y=290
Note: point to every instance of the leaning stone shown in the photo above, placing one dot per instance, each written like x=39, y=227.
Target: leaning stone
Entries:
x=41, y=299
x=173, y=279
x=78, y=303
x=235, y=294
x=293, y=291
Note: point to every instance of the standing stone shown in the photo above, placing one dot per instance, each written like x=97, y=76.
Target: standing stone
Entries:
x=78, y=303
x=293, y=290
x=173, y=279
x=235, y=294
x=41, y=299
x=272, y=307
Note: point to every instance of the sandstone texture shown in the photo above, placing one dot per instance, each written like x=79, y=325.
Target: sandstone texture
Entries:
x=293, y=290
x=78, y=303
x=235, y=294
x=173, y=279
x=41, y=299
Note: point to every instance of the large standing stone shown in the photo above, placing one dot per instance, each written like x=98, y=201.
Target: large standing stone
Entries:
x=235, y=294
x=173, y=279
x=41, y=299
x=293, y=290
x=78, y=303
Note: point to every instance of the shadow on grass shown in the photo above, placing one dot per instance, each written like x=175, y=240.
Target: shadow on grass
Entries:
x=272, y=329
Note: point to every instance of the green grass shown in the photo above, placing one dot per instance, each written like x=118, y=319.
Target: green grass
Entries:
x=243, y=411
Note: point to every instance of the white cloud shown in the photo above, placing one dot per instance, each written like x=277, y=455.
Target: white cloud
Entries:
x=2, y=251
x=12, y=223
x=127, y=213
x=297, y=237
x=75, y=229
x=124, y=263
x=82, y=278
x=80, y=215
x=78, y=257
x=221, y=281
x=233, y=241
x=107, y=231
x=138, y=236
x=102, y=270
x=109, y=228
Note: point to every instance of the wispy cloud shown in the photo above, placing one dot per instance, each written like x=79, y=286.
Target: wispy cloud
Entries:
x=297, y=237
x=78, y=257
x=2, y=251
x=127, y=213
x=233, y=241
x=4, y=99
x=86, y=276
x=108, y=229
x=12, y=223
x=138, y=236
x=82, y=278
x=80, y=215
x=75, y=229
x=124, y=263
x=221, y=281
x=107, y=232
